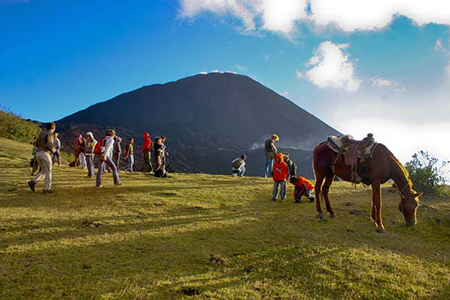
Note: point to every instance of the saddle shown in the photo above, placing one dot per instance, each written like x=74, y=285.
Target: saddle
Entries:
x=354, y=152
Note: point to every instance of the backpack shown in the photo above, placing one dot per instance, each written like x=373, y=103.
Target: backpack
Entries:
x=100, y=147
x=237, y=163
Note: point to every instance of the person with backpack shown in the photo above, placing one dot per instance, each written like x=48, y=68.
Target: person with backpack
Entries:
x=269, y=152
x=280, y=174
x=129, y=155
x=147, y=148
x=45, y=147
x=104, y=149
x=89, y=152
x=57, y=154
x=238, y=166
x=292, y=167
x=303, y=187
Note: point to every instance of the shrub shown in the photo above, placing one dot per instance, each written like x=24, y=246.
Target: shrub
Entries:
x=15, y=128
x=427, y=172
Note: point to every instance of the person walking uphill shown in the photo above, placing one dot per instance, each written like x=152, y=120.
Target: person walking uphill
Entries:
x=104, y=149
x=45, y=147
x=280, y=174
x=269, y=151
x=146, y=151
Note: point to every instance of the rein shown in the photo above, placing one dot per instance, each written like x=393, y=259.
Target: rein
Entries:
x=399, y=195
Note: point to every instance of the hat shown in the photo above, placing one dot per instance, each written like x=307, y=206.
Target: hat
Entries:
x=90, y=133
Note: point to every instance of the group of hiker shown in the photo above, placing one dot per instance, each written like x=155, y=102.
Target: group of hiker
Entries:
x=281, y=168
x=107, y=153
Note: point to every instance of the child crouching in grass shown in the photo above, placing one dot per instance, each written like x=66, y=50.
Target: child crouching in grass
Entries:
x=303, y=187
x=280, y=174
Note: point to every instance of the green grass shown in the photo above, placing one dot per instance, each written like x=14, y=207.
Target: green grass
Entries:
x=208, y=237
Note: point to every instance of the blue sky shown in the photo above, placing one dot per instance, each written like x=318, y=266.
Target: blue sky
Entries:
x=381, y=67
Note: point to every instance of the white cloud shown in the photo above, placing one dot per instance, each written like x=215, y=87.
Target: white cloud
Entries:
x=378, y=82
x=332, y=68
x=246, y=11
x=241, y=68
x=280, y=15
x=350, y=15
x=203, y=73
x=299, y=74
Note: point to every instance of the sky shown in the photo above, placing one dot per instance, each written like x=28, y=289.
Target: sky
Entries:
x=378, y=66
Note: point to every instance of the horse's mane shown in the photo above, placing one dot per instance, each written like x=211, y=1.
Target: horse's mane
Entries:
x=403, y=169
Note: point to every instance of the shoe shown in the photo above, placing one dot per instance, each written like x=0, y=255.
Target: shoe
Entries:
x=87, y=176
x=300, y=201
x=99, y=187
x=48, y=192
x=32, y=185
x=282, y=200
x=120, y=183
x=274, y=199
x=312, y=199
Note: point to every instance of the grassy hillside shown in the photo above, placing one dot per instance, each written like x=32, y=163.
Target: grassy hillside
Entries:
x=208, y=237
x=17, y=129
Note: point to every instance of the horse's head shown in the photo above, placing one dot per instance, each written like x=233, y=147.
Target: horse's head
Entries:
x=408, y=205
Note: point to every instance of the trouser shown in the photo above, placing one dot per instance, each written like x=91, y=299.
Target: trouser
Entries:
x=130, y=163
x=57, y=156
x=45, y=162
x=268, y=169
x=276, y=187
x=90, y=164
x=239, y=172
x=302, y=191
x=36, y=166
x=147, y=162
x=116, y=157
x=101, y=166
x=82, y=160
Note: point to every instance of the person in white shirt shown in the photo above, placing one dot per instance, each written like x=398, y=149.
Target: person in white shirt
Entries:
x=105, y=158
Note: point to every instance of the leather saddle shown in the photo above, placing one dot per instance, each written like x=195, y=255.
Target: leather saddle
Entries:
x=354, y=152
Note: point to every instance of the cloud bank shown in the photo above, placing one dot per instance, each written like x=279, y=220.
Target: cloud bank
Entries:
x=349, y=15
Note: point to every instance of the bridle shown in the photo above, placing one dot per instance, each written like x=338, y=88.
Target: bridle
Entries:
x=400, y=194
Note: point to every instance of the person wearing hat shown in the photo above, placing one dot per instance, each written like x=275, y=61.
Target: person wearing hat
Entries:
x=270, y=151
x=89, y=153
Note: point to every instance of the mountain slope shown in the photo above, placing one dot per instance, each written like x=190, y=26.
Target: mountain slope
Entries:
x=201, y=115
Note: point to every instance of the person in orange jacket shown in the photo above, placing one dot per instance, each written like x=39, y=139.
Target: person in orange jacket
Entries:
x=280, y=174
x=303, y=187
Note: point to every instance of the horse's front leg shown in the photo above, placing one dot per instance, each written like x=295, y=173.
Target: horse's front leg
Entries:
x=318, y=189
x=376, y=206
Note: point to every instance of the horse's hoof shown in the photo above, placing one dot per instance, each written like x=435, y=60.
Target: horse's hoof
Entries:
x=380, y=230
x=333, y=215
x=320, y=216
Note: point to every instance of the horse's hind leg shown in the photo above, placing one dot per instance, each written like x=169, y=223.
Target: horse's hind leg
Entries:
x=318, y=189
x=325, y=189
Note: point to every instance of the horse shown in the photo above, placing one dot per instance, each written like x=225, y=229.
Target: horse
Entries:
x=381, y=167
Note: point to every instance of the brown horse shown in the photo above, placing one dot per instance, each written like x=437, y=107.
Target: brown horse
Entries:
x=381, y=167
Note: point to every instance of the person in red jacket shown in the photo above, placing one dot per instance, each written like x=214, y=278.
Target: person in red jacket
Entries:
x=303, y=187
x=280, y=174
x=147, y=148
